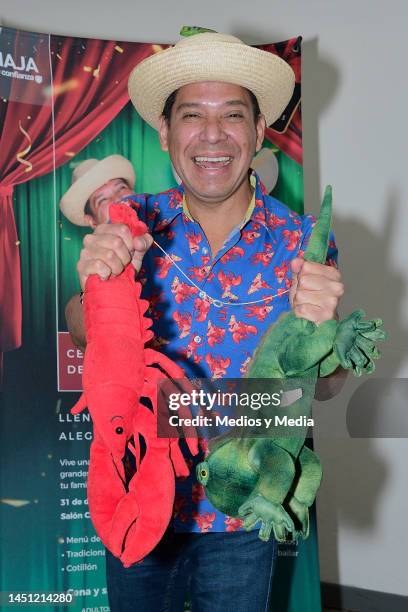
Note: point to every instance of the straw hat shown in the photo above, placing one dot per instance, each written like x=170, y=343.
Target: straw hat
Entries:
x=211, y=57
x=89, y=176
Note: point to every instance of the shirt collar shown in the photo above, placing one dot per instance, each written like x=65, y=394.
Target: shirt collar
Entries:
x=251, y=206
x=167, y=206
x=173, y=202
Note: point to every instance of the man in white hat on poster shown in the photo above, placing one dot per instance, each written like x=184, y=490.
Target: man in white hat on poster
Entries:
x=210, y=98
x=96, y=184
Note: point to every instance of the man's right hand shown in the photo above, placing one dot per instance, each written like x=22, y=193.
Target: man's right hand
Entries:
x=109, y=249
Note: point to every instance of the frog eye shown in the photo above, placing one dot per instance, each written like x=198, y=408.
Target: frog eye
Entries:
x=203, y=473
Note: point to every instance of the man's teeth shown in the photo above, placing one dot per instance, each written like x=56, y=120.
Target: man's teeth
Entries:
x=204, y=160
x=212, y=159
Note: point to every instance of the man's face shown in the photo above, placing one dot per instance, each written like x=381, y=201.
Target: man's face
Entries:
x=212, y=138
x=103, y=197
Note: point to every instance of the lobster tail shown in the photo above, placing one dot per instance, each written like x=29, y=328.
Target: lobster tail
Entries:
x=316, y=250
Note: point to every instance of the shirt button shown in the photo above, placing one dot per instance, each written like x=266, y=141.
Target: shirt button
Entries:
x=204, y=250
x=197, y=339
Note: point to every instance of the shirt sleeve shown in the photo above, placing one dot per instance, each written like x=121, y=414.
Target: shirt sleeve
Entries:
x=332, y=252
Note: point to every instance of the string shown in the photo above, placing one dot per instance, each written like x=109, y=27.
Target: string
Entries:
x=215, y=301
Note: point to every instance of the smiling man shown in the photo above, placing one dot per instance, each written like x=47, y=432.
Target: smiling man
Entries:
x=210, y=98
x=211, y=135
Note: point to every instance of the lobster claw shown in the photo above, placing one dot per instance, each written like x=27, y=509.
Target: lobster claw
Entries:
x=143, y=514
x=131, y=521
x=104, y=494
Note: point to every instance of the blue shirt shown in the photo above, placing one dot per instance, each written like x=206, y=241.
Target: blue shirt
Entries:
x=216, y=340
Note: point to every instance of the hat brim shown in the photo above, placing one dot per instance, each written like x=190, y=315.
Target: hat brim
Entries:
x=270, y=78
x=73, y=202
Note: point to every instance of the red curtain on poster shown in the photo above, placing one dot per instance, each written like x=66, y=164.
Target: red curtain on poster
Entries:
x=84, y=86
x=286, y=133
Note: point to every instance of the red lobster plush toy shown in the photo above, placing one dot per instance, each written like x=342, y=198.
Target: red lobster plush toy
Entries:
x=130, y=518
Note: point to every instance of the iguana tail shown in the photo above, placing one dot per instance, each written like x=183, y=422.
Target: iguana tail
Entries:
x=316, y=250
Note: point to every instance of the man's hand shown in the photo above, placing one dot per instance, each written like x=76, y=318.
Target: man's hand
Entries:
x=316, y=290
x=109, y=249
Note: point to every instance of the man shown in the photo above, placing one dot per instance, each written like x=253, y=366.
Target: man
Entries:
x=96, y=184
x=233, y=256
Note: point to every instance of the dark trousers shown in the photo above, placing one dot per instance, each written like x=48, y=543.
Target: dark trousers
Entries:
x=221, y=572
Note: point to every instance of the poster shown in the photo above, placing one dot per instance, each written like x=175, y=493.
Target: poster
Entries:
x=63, y=100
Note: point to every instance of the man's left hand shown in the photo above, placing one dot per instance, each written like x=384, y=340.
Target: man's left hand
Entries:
x=316, y=290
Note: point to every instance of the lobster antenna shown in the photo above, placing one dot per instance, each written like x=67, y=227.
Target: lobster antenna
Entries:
x=316, y=250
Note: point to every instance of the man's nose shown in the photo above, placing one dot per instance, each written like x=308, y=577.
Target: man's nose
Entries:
x=213, y=130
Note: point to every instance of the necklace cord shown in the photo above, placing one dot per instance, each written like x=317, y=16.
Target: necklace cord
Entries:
x=215, y=301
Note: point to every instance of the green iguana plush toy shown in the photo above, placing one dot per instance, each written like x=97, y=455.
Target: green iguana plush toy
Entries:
x=275, y=480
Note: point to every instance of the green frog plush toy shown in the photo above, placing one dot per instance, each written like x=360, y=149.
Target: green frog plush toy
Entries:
x=274, y=480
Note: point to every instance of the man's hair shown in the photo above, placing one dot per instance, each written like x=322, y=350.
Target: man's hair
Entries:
x=87, y=209
x=168, y=105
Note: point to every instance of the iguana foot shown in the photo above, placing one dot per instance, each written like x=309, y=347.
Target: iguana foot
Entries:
x=271, y=515
x=354, y=342
x=301, y=512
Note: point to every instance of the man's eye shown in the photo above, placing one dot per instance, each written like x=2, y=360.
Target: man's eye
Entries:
x=235, y=115
x=190, y=115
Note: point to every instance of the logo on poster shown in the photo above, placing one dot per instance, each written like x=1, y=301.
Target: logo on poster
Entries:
x=21, y=69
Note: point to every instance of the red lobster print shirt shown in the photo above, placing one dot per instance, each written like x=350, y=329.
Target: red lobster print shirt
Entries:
x=210, y=341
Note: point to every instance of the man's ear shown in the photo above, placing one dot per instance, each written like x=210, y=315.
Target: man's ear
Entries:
x=90, y=221
x=260, y=132
x=163, y=133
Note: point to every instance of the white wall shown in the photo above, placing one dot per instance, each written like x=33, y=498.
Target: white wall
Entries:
x=355, y=137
